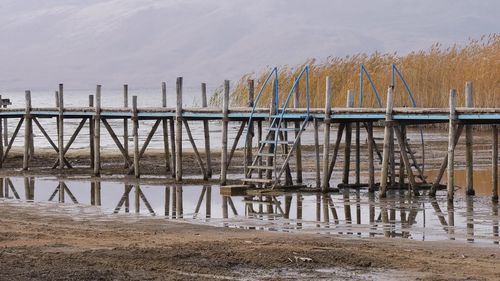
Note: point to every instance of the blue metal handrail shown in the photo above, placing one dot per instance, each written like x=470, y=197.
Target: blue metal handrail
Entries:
x=274, y=72
x=305, y=71
x=394, y=71
x=362, y=71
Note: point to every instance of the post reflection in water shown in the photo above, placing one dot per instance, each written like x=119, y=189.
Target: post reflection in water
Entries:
x=471, y=219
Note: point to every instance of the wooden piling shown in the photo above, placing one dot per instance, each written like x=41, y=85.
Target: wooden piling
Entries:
x=60, y=136
x=387, y=135
x=225, y=121
x=91, y=134
x=469, y=160
x=135, y=134
x=316, y=152
x=97, y=132
x=164, y=122
x=178, y=131
x=326, y=142
x=451, y=147
x=371, y=164
x=357, y=167
x=206, y=131
x=250, y=133
x=27, y=130
x=125, y=124
x=494, y=163
x=1, y=147
x=347, y=145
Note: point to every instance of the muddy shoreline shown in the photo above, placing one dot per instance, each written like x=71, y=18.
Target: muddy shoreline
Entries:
x=61, y=246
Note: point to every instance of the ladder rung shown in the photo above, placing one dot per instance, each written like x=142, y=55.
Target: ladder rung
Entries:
x=261, y=167
x=278, y=142
x=258, y=180
x=284, y=129
x=266, y=154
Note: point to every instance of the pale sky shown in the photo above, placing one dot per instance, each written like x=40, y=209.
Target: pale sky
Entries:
x=144, y=42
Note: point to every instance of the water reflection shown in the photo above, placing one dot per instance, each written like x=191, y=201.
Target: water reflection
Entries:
x=351, y=212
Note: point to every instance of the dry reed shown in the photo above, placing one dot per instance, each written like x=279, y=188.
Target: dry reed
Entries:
x=430, y=74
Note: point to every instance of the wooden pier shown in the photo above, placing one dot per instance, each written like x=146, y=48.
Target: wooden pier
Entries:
x=287, y=124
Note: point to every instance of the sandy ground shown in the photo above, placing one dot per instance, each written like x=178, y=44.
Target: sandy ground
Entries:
x=37, y=245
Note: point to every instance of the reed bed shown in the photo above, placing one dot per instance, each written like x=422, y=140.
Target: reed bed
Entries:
x=430, y=74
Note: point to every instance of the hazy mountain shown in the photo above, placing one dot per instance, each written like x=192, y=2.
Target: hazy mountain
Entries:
x=84, y=42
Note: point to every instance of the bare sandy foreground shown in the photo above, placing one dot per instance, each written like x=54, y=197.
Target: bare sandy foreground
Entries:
x=41, y=243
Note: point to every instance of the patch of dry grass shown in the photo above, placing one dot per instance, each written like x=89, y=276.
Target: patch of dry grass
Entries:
x=430, y=73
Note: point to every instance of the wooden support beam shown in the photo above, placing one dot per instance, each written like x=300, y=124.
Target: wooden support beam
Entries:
x=444, y=163
x=27, y=130
x=406, y=160
x=371, y=164
x=357, y=167
x=316, y=152
x=165, y=127
x=250, y=133
x=173, y=169
x=125, y=125
x=54, y=146
x=1, y=149
x=114, y=137
x=469, y=142
x=494, y=164
x=451, y=147
x=387, y=135
x=347, y=146
x=135, y=133
x=225, y=122
x=206, y=131
x=235, y=143
x=340, y=132
x=97, y=132
x=178, y=131
x=60, y=133
x=149, y=138
x=326, y=141
x=70, y=142
x=91, y=134
x=195, y=149
x=14, y=135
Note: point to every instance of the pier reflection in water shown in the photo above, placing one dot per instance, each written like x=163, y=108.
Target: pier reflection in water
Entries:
x=350, y=212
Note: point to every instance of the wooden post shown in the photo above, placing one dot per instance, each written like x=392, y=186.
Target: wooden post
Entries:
x=371, y=164
x=1, y=149
x=348, y=135
x=97, y=132
x=27, y=130
x=125, y=124
x=326, y=143
x=298, y=150
x=178, y=133
x=225, y=111
x=358, y=155
x=494, y=164
x=60, y=136
x=451, y=147
x=165, y=127
x=316, y=152
x=469, y=161
x=250, y=133
x=206, y=131
x=135, y=133
x=91, y=134
x=387, y=135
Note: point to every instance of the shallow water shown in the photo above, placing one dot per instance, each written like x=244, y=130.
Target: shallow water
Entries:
x=354, y=213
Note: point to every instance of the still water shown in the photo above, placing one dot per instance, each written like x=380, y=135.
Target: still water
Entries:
x=355, y=213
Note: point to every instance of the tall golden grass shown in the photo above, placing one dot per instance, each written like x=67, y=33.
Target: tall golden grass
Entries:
x=430, y=74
